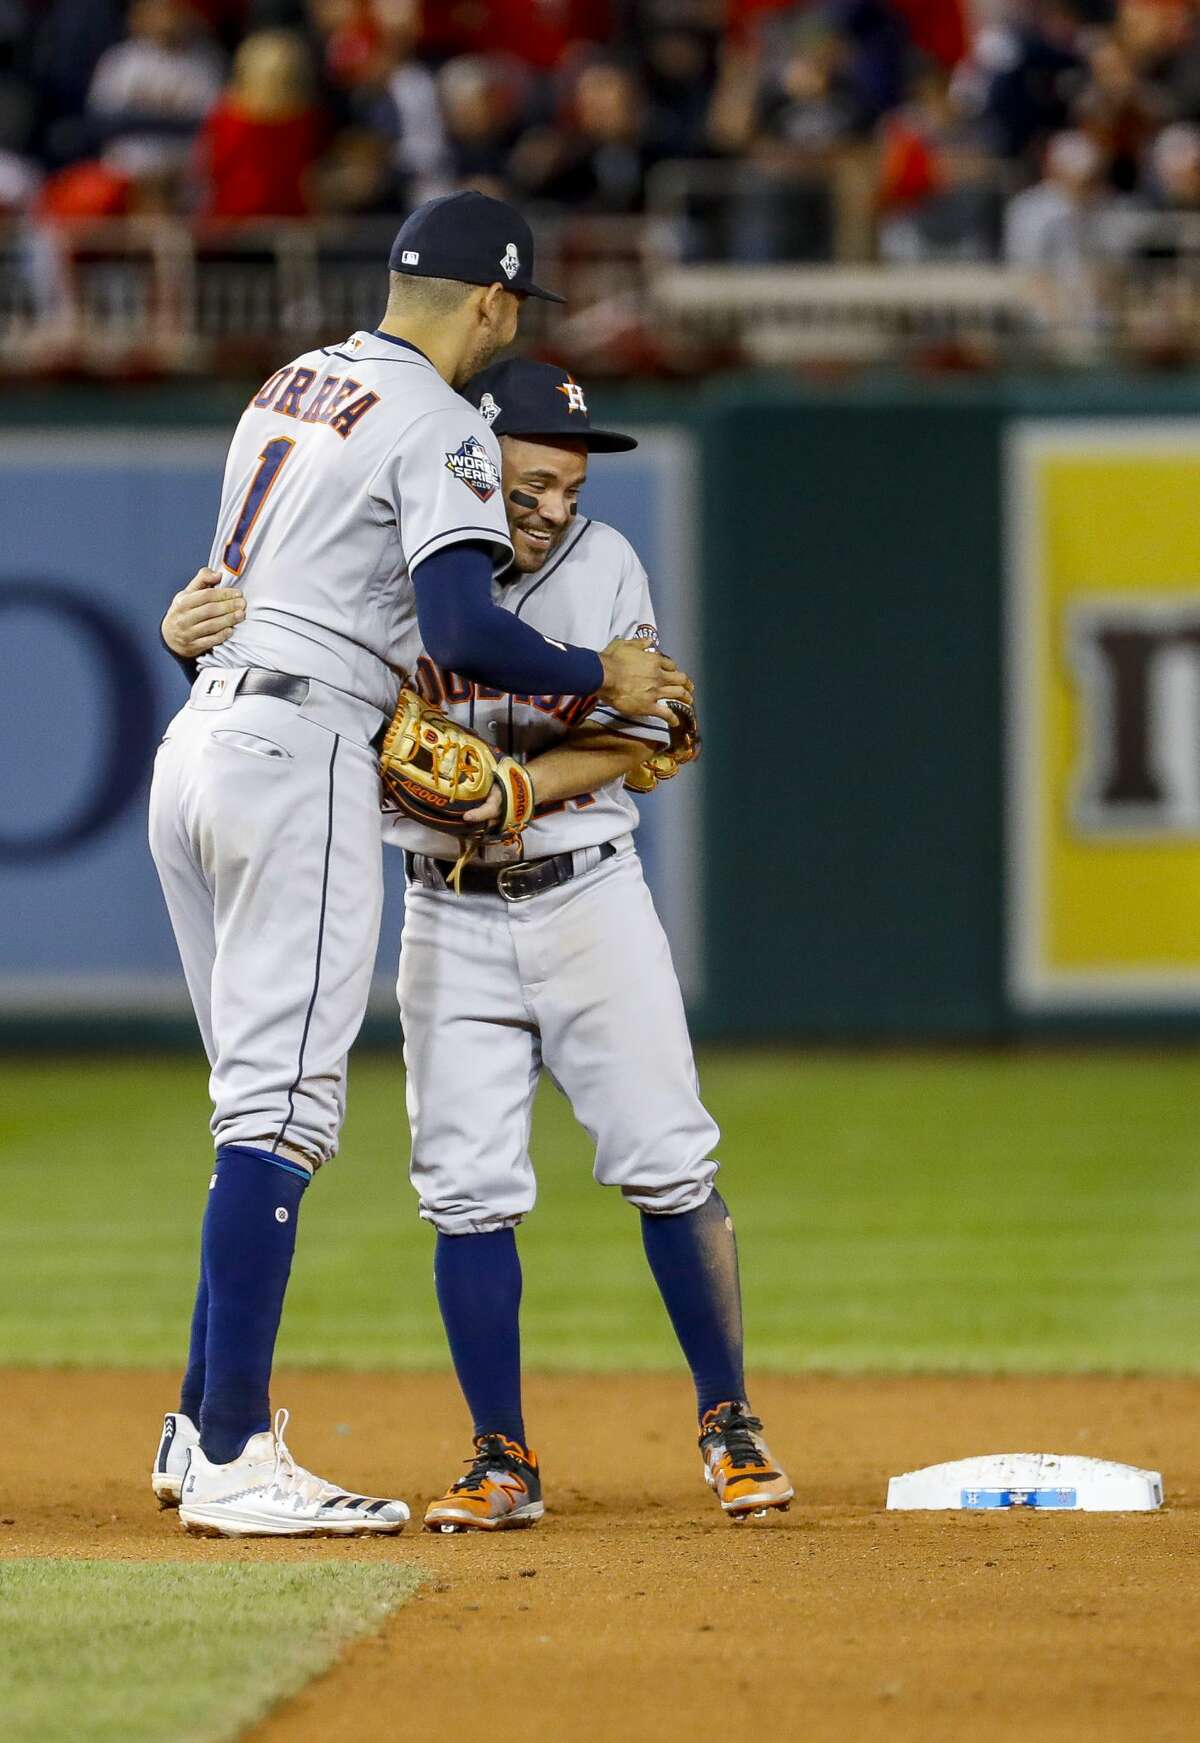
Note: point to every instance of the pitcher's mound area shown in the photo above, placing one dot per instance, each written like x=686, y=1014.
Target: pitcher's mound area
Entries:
x=636, y=1612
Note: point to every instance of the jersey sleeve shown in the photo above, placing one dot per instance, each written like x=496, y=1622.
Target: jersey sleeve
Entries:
x=441, y=485
x=632, y=619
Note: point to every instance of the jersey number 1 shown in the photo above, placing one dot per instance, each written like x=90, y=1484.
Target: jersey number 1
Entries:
x=270, y=466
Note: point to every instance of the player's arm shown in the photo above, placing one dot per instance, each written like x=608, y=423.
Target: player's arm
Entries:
x=440, y=486
x=586, y=760
x=465, y=631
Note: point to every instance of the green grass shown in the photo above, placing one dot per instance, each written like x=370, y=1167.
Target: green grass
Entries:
x=1025, y=1211
x=132, y=1652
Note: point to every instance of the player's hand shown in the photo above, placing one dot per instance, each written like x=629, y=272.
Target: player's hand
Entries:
x=640, y=680
x=203, y=615
x=490, y=811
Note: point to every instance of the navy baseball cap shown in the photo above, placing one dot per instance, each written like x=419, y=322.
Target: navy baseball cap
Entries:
x=538, y=400
x=472, y=238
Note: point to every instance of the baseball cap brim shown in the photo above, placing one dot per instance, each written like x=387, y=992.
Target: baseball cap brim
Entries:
x=595, y=441
x=609, y=442
x=535, y=290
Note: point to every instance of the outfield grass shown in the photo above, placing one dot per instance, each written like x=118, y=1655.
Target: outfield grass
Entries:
x=1023, y=1212
x=147, y=1650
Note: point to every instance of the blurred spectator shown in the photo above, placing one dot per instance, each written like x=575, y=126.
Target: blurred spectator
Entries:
x=828, y=74
x=420, y=150
x=1152, y=34
x=798, y=108
x=538, y=32
x=680, y=72
x=18, y=95
x=939, y=193
x=1164, y=43
x=87, y=190
x=1068, y=231
x=353, y=35
x=938, y=28
x=1175, y=169
x=1022, y=80
x=879, y=44
x=19, y=183
x=598, y=159
x=259, y=144
x=67, y=41
x=356, y=175
x=1164, y=301
x=481, y=126
x=1120, y=110
x=151, y=92
x=378, y=86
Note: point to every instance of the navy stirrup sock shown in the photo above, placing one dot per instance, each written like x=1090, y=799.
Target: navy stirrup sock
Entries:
x=694, y=1260
x=478, y=1281
x=191, y=1390
x=247, y=1245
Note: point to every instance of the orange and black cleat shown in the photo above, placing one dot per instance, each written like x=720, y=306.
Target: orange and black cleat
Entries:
x=501, y=1491
x=738, y=1466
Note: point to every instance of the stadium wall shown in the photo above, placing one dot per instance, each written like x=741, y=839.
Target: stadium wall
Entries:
x=848, y=567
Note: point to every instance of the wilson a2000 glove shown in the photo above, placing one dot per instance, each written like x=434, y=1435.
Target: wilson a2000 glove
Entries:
x=435, y=771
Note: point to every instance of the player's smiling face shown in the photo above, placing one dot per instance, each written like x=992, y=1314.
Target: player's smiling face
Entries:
x=542, y=481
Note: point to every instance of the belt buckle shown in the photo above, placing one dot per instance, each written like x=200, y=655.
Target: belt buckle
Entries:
x=510, y=871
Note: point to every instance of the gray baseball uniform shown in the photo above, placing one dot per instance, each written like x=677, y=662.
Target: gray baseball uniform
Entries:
x=578, y=979
x=351, y=466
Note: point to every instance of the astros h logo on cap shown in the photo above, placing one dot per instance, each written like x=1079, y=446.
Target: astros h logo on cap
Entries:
x=574, y=395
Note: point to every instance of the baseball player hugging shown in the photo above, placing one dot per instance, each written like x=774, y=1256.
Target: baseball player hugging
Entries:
x=557, y=959
x=360, y=524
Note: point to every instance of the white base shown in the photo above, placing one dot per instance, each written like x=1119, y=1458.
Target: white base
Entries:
x=1042, y=1482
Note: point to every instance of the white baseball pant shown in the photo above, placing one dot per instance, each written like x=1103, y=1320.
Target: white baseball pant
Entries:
x=264, y=826
x=578, y=980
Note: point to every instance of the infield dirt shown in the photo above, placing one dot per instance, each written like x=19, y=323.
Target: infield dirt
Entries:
x=635, y=1611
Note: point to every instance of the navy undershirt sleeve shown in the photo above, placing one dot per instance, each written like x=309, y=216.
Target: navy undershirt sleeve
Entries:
x=465, y=631
x=190, y=668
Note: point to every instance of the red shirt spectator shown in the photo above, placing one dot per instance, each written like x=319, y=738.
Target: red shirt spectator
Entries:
x=257, y=168
x=261, y=141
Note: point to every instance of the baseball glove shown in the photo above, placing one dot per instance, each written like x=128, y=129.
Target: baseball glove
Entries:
x=684, y=747
x=435, y=771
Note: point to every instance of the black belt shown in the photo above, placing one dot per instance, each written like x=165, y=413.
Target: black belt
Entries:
x=287, y=688
x=516, y=882
x=282, y=685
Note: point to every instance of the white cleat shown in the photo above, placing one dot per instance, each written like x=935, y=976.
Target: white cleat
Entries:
x=265, y=1493
x=179, y=1436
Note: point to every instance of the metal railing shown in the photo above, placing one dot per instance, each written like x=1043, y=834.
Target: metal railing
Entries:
x=133, y=296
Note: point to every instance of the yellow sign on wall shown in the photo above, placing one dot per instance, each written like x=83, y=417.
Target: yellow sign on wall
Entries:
x=1103, y=683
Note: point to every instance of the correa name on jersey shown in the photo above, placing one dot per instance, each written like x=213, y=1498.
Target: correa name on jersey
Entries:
x=360, y=457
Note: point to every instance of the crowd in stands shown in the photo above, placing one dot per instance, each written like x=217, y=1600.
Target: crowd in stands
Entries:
x=971, y=129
